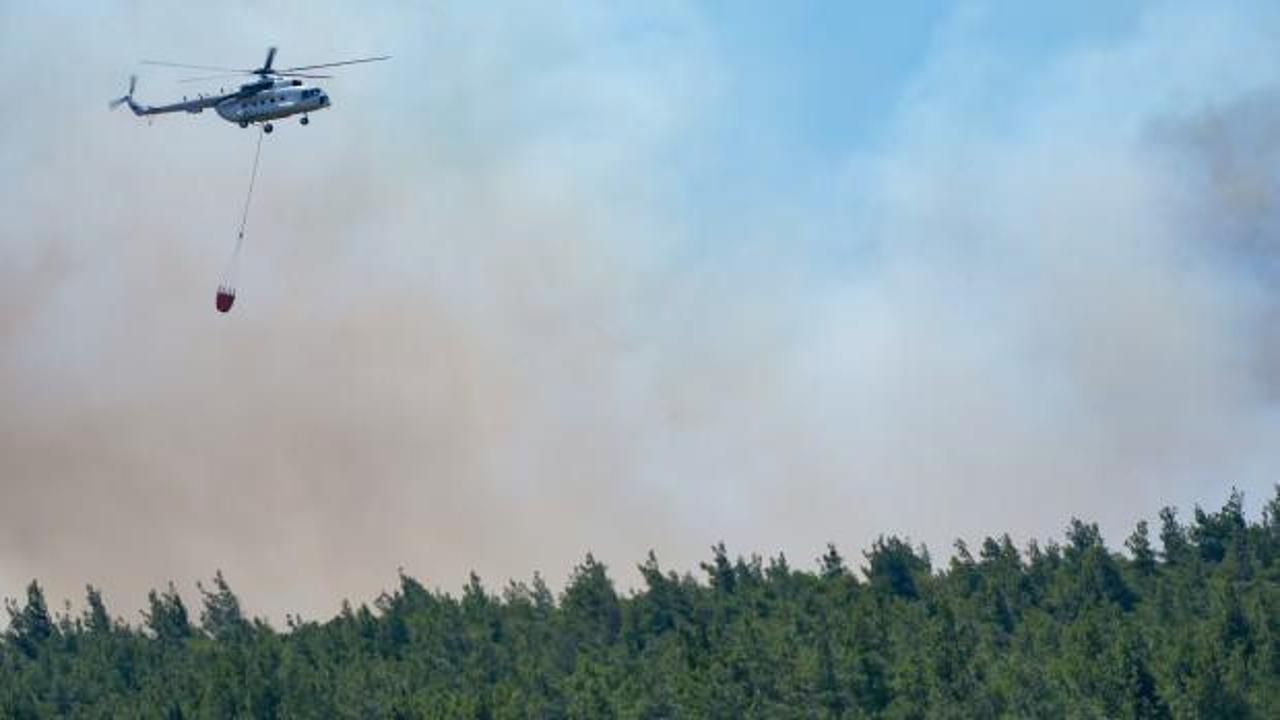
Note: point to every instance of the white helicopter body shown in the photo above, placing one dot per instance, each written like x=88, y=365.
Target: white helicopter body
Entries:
x=273, y=95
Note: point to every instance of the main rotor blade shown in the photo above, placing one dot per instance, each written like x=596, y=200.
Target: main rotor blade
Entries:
x=247, y=74
x=334, y=64
x=195, y=67
x=214, y=77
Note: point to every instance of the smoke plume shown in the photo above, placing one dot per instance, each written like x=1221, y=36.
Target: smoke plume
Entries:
x=485, y=323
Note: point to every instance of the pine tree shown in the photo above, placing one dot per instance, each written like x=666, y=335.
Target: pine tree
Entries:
x=831, y=564
x=590, y=604
x=30, y=625
x=96, y=618
x=1139, y=544
x=221, y=617
x=894, y=567
x=167, y=616
x=1173, y=536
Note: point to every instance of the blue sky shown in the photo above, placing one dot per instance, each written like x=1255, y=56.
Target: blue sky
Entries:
x=816, y=79
x=812, y=82
x=803, y=90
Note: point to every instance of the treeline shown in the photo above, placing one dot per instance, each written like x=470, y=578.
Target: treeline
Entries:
x=1185, y=625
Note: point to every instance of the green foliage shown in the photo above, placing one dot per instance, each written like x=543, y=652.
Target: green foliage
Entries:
x=30, y=626
x=1139, y=545
x=221, y=618
x=167, y=616
x=893, y=567
x=1071, y=630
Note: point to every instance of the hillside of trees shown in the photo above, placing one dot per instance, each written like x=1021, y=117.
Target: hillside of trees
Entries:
x=1185, y=624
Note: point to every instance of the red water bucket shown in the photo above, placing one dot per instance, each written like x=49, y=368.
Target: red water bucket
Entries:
x=226, y=296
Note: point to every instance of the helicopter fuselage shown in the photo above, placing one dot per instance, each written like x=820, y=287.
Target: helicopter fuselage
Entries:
x=271, y=103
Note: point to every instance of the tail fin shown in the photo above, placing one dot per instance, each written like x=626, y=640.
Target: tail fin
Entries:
x=133, y=83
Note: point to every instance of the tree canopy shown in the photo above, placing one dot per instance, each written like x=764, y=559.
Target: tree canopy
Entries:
x=1188, y=629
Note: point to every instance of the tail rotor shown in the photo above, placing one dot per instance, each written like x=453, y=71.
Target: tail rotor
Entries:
x=133, y=83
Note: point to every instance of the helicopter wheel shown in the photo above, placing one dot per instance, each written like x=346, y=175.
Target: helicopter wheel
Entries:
x=244, y=124
x=304, y=120
x=267, y=128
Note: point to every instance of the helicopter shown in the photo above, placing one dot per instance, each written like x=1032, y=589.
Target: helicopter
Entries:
x=271, y=95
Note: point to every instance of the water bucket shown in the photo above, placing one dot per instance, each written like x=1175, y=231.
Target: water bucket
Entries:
x=226, y=296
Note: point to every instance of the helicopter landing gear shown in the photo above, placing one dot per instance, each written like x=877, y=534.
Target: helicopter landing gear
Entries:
x=244, y=124
x=267, y=128
x=304, y=120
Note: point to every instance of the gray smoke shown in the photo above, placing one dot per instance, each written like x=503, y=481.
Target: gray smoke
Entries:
x=479, y=327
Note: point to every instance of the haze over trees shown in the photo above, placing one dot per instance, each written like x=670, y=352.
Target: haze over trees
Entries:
x=1183, y=623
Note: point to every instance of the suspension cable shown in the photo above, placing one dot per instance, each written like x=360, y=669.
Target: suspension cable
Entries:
x=253, y=178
